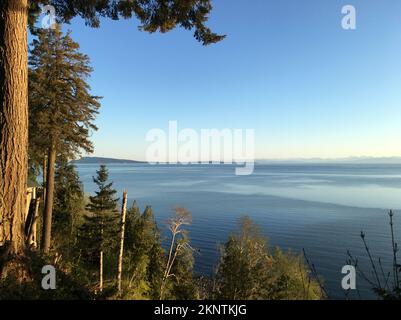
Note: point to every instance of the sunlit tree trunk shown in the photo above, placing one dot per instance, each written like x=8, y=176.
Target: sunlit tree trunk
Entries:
x=122, y=236
x=13, y=128
x=48, y=212
x=44, y=173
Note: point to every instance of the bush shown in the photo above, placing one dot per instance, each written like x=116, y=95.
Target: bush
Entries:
x=250, y=270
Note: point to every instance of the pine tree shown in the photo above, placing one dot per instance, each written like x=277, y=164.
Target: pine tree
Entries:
x=62, y=110
x=99, y=230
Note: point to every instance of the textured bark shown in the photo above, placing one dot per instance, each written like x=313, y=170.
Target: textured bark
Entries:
x=48, y=212
x=13, y=130
x=122, y=235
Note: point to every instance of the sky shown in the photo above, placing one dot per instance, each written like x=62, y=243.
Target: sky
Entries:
x=287, y=69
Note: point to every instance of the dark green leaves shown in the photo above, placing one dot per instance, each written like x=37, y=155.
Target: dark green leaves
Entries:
x=154, y=15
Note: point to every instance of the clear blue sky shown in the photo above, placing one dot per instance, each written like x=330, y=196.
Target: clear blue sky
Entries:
x=287, y=69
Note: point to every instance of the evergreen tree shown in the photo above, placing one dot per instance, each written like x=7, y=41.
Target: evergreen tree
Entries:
x=68, y=205
x=248, y=270
x=144, y=253
x=62, y=110
x=99, y=230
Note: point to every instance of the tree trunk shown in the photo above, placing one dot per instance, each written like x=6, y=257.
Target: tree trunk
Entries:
x=13, y=130
x=101, y=272
x=122, y=234
x=48, y=212
x=33, y=241
x=44, y=172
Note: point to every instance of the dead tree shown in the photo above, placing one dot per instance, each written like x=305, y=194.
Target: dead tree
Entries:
x=122, y=235
x=181, y=218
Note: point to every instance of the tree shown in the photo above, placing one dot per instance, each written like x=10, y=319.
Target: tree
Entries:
x=62, y=110
x=183, y=286
x=99, y=228
x=180, y=248
x=122, y=238
x=249, y=270
x=145, y=255
x=15, y=15
x=13, y=135
x=68, y=204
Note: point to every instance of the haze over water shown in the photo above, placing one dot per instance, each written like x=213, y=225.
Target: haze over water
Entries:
x=319, y=207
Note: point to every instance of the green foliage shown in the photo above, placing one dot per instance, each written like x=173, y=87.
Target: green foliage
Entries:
x=154, y=15
x=69, y=200
x=67, y=214
x=249, y=270
x=99, y=230
x=144, y=256
x=183, y=285
x=104, y=202
x=68, y=288
x=145, y=261
x=178, y=281
x=61, y=107
x=289, y=278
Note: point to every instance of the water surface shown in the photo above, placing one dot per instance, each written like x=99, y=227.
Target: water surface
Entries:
x=321, y=208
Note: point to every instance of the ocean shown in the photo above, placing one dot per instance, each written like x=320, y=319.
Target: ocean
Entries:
x=321, y=208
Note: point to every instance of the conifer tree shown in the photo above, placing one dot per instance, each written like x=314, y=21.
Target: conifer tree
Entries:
x=62, y=109
x=145, y=255
x=100, y=227
x=68, y=205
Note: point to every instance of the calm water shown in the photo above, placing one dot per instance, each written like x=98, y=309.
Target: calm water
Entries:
x=321, y=208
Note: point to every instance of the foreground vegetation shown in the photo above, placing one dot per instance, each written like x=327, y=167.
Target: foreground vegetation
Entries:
x=85, y=250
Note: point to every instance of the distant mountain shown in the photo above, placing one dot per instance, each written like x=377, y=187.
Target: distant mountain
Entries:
x=348, y=160
x=100, y=160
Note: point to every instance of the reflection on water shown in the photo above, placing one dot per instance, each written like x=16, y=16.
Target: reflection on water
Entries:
x=321, y=208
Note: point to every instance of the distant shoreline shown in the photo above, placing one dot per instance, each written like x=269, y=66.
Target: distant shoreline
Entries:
x=101, y=160
x=312, y=161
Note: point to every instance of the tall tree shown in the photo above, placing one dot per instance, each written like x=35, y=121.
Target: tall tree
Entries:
x=100, y=227
x=122, y=238
x=62, y=108
x=154, y=15
x=13, y=134
x=68, y=204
